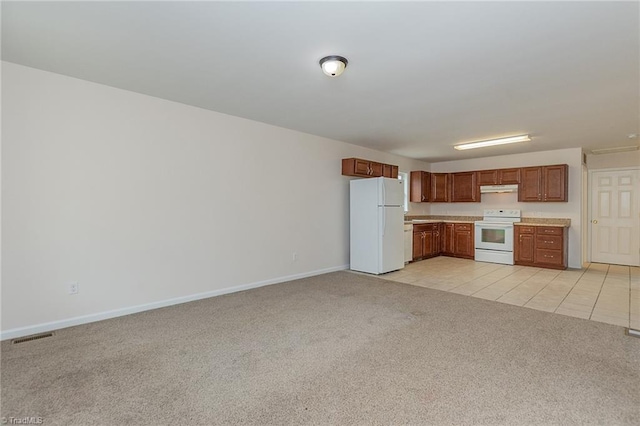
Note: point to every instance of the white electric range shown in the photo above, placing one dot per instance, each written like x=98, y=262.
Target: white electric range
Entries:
x=494, y=236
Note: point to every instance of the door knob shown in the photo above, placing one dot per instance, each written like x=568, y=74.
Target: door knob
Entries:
x=595, y=221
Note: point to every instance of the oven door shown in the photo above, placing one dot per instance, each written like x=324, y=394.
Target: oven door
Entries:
x=494, y=236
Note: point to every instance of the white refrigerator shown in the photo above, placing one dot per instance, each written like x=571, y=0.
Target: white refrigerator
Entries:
x=376, y=225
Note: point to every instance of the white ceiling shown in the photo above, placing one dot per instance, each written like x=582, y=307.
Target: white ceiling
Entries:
x=422, y=76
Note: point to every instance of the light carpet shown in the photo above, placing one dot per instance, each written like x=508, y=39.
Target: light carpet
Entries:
x=340, y=348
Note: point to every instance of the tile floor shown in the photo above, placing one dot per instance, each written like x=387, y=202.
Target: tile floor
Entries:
x=598, y=292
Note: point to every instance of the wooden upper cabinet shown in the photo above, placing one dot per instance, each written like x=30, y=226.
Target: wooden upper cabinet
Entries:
x=554, y=183
x=546, y=183
x=543, y=183
x=390, y=171
x=464, y=188
x=362, y=167
x=420, y=187
x=376, y=169
x=487, y=177
x=439, y=188
x=531, y=185
x=508, y=176
x=365, y=168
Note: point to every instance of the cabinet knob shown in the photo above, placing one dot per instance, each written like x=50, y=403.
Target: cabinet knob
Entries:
x=595, y=221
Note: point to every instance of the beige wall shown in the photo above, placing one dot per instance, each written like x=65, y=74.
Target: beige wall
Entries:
x=146, y=202
x=612, y=161
x=570, y=210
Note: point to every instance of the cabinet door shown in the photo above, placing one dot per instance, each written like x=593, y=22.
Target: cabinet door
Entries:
x=394, y=172
x=420, y=182
x=464, y=187
x=487, y=177
x=437, y=240
x=376, y=169
x=362, y=167
x=555, y=182
x=448, y=239
x=464, y=244
x=439, y=187
x=429, y=242
x=508, y=176
x=387, y=170
x=426, y=186
x=418, y=244
x=524, y=245
x=531, y=185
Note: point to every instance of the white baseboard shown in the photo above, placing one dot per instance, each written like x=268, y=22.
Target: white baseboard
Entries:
x=84, y=319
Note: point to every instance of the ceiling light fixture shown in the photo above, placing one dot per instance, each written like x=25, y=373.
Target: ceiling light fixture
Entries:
x=333, y=65
x=492, y=142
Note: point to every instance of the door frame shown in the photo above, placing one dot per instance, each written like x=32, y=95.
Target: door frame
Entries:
x=590, y=204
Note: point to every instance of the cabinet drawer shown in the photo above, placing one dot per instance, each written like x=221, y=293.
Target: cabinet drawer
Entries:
x=551, y=257
x=433, y=227
x=550, y=230
x=425, y=227
x=552, y=242
x=463, y=226
x=526, y=229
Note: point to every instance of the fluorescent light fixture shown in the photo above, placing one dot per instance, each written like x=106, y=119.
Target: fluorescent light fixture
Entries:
x=616, y=149
x=492, y=142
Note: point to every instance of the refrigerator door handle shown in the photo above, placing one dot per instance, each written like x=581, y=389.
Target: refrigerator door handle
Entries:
x=384, y=220
x=384, y=193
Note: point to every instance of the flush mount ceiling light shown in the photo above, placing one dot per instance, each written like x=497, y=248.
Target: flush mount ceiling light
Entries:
x=492, y=142
x=333, y=65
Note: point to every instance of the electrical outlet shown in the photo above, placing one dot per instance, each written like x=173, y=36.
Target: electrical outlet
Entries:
x=294, y=257
x=74, y=287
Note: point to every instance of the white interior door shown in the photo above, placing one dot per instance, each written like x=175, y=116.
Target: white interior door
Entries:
x=615, y=217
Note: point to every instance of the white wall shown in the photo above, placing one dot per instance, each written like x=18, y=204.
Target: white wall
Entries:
x=570, y=210
x=142, y=200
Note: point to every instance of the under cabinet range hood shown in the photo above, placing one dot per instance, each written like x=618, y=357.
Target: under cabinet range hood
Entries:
x=485, y=189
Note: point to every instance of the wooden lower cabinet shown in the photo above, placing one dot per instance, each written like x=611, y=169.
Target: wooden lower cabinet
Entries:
x=464, y=245
x=542, y=246
x=448, y=239
x=524, y=245
x=426, y=240
x=458, y=240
